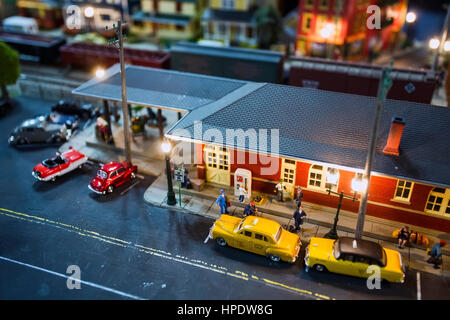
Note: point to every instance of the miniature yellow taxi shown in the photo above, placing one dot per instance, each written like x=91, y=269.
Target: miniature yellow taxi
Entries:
x=353, y=257
x=258, y=235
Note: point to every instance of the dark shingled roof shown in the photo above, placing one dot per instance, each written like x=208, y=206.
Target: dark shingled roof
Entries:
x=314, y=125
x=165, y=89
x=333, y=128
x=364, y=248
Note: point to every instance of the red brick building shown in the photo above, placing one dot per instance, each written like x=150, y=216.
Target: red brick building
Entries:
x=338, y=29
x=320, y=132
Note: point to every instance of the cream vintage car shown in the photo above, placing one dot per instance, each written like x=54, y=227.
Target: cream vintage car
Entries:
x=258, y=235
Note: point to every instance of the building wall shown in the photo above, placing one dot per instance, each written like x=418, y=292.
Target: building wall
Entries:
x=381, y=202
x=353, y=39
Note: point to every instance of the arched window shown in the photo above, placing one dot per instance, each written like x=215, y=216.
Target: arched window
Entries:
x=439, y=201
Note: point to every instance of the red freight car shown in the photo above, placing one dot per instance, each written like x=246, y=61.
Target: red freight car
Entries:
x=362, y=79
x=91, y=55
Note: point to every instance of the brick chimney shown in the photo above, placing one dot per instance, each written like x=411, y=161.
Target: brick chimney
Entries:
x=395, y=135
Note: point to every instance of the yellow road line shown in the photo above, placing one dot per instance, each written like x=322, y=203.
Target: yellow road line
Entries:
x=152, y=251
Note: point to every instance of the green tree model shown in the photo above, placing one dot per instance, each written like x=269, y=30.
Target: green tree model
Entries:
x=9, y=68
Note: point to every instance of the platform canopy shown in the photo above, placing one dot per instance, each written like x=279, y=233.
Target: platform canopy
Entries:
x=163, y=89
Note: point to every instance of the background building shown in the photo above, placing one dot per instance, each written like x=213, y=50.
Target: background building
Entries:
x=169, y=20
x=48, y=13
x=90, y=15
x=337, y=28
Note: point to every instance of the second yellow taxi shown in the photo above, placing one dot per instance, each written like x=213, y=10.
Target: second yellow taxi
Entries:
x=258, y=235
x=353, y=257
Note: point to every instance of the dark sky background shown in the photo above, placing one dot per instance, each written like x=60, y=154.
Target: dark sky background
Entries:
x=435, y=5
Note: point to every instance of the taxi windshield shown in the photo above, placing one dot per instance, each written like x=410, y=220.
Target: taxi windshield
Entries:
x=102, y=174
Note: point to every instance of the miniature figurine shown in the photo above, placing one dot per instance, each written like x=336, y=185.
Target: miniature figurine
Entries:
x=242, y=193
x=299, y=197
x=279, y=188
x=299, y=216
x=222, y=202
x=436, y=254
x=403, y=237
x=250, y=209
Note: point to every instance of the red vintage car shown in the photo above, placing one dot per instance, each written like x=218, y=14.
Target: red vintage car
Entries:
x=112, y=175
x=59, y=165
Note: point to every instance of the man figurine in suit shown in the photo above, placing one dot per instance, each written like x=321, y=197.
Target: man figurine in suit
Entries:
x=299, y=216
x=299, y=197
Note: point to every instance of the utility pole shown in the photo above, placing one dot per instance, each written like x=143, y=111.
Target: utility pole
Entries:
x=118, y=44
x=442, y=42
x=383, y=88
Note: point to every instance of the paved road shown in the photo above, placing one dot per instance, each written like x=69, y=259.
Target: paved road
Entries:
x=128, y=250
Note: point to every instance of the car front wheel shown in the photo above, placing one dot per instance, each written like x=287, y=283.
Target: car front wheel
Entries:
x=110, y=189
x=221, y=242
x=320, y=268
x=274, y=258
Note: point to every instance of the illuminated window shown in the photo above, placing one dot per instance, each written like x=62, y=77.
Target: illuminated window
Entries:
x=403, y=190
x=324, y=4
x=307, y=22
x=318, y=178
x=439, y=201
x=309, y=4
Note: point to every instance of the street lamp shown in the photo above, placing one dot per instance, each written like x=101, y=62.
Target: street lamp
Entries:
x=100, y=73
x=411, y=17
x=166, y=147
x=434, y=43
x=332, y=178
x=447, y=46
x=89, y=12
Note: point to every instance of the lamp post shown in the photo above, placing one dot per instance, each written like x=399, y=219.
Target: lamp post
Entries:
x=410, y=19
x=332, y=178
x=166, y=147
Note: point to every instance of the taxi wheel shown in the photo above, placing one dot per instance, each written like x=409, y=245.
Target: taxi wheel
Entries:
x=221, y=242
x=274, y=258
x=320, y=268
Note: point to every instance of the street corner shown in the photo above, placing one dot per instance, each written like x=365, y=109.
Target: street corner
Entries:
x=155, y=196
x=418, y=261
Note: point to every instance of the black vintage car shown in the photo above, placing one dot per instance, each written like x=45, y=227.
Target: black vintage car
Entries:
x=39, y=130
x=72, y=108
